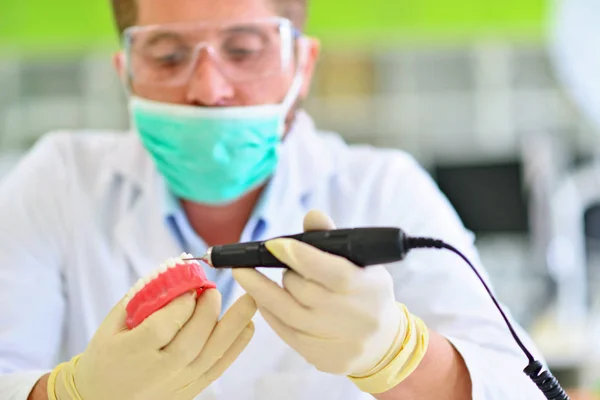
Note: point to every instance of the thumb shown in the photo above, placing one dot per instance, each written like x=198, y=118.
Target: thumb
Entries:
x=115, y=320
x=317, y=220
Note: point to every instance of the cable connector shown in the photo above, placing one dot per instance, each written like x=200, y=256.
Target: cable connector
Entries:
x=544, y=380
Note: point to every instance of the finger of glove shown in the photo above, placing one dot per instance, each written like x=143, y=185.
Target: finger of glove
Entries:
x=192, y=338
x=336, y=314
x=327, y=354
x=230, y=355
x=316, y=220
x=269, y=295
x=319, y=351
x=235, y=320
x=287, y=333
x=333, y=272
x=114, y=322
x=306, y=292
x=160, y=328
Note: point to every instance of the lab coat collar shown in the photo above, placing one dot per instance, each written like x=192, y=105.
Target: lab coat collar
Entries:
x=304, y=165
x=130, y=161
x=140, y=231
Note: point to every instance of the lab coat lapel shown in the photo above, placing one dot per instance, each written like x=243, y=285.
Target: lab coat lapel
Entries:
x=144, y=237
x=141, y=231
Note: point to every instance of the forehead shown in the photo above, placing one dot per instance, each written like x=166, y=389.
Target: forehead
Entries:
x=156, y=12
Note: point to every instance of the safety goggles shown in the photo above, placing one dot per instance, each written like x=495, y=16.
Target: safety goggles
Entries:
x=168, y=55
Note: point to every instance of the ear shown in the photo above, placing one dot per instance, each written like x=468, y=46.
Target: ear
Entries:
x=119, y=65
x=313, y=50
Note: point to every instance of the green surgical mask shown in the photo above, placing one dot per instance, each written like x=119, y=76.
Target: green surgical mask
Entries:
x=213, y=155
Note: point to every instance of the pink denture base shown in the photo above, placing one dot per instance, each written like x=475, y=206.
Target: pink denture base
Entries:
x=165, y=288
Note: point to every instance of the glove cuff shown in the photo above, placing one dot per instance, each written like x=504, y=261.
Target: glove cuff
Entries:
x=61, y=383
x=403, y=358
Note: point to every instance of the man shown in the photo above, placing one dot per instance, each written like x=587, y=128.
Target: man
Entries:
x=221, y=153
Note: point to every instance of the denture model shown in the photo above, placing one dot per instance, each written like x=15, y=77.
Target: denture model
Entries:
x=172, y=279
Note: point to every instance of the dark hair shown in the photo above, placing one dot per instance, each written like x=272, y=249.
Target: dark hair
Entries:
x=125, y=12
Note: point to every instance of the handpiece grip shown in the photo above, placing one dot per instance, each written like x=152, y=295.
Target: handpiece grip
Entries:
x=361, y=246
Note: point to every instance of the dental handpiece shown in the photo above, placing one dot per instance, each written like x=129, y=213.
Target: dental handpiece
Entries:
x=361, y=246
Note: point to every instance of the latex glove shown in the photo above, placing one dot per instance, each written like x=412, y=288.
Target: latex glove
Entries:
x=174, y=354
x=341, y=318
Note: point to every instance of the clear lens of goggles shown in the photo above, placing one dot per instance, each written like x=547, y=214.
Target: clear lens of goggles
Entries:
x=243, y=51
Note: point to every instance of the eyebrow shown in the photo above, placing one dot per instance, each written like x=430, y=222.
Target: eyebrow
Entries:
x=243, y=29
x=165, y=35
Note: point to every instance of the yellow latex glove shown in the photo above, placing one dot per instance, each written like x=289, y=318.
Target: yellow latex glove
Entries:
x=174, y=354
x=341, y=318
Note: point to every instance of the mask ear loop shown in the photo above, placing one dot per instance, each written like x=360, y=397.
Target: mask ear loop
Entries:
x=296, y=85
x=127, y=75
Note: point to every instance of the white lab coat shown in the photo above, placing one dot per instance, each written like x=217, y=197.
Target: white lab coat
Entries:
x=82, y=220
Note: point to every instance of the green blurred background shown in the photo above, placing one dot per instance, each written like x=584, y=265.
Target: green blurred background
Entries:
x=76, y=24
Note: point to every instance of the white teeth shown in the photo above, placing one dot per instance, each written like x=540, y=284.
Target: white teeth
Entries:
x=133, y=291
x=164, y=267
x=188, y=258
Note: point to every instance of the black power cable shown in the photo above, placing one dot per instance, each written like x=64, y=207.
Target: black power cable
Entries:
x=543, y=379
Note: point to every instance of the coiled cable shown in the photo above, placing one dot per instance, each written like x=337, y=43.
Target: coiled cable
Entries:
x=543, y=379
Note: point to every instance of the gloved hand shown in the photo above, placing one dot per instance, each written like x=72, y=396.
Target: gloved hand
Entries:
x=341, y=318
x=174, y=354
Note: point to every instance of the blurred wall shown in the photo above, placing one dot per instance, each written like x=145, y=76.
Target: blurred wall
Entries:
x=439, y=78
